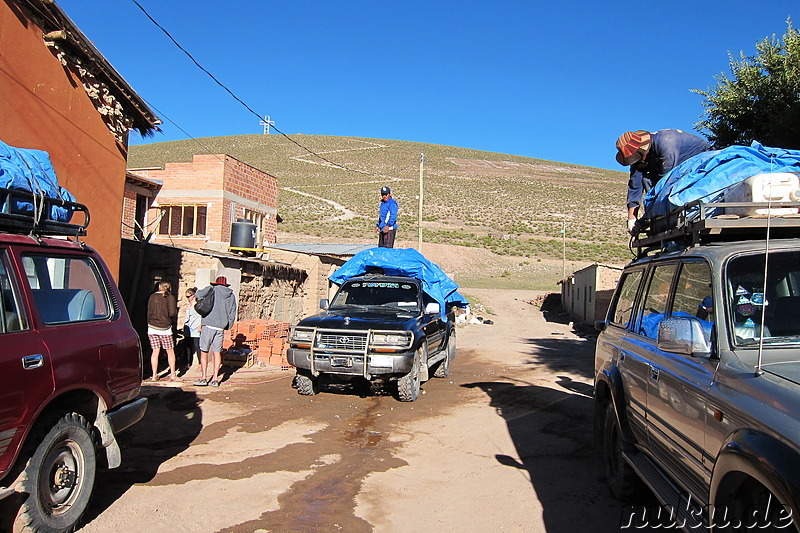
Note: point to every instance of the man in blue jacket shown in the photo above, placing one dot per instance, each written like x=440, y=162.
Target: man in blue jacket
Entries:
x=386, y=227
x=651, y=156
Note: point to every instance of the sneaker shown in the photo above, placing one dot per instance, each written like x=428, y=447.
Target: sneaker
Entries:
x=214, y=383
x=201, y=382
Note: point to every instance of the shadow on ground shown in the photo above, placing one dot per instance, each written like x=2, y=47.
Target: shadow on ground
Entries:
x=173, y=420
x=552, y=433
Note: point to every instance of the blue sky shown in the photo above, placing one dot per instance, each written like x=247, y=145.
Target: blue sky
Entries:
x=551, y=80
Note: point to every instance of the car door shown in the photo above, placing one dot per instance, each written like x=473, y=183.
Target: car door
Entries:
x=613, y=346
x=25, y=365
x=678, y=385
x=433, y=326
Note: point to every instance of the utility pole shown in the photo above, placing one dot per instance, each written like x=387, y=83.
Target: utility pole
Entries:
x=564, y=252
x=266, y=123
x=421, y=162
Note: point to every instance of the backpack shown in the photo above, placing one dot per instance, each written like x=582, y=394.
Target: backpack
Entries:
x=204, y=305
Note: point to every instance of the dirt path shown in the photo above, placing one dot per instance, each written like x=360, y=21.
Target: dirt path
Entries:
x=503, y=444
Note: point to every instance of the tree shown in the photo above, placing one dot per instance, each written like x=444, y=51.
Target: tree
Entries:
x=761, y=100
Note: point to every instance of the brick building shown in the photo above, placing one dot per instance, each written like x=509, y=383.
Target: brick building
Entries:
x=194, y=204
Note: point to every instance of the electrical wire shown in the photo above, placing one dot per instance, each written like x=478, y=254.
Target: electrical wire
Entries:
x=176, y=43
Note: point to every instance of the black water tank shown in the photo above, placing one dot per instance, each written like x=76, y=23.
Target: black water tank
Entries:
x=243, y=234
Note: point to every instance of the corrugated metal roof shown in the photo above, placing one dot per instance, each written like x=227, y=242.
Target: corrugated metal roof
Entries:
x=312, y=248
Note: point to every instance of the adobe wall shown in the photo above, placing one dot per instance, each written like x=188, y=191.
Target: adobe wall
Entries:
x=263, y=290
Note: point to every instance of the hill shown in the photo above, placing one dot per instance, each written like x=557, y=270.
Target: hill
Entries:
x=512, y=206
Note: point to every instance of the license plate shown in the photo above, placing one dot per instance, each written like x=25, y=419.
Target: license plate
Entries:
x=341, y=361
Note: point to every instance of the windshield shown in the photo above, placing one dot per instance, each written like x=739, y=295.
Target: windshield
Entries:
x=770, y=310
x=390, y=295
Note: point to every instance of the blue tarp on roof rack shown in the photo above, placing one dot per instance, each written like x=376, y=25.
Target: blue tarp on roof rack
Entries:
x=31, y=170
x=404, y=262
x=706, y=176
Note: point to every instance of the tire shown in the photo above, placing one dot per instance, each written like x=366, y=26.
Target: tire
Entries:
x=59, y=477
x=622, y=480
x=443, y=367
x=306, y=384
x=408, y=386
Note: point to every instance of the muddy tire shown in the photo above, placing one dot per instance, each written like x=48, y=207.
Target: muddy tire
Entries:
x=443, y=367
x=408, y=386
x=307, y=385
x=622, y=480
x=59, y=476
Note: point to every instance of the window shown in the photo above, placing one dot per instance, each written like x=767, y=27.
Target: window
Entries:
x=622, y=308
x=9, y=306
x=183, y=220
x=66, y=289
x=693, y=292
x=258, y=219
x=655, y=302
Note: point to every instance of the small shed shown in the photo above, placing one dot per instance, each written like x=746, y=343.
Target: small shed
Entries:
x=586, y=293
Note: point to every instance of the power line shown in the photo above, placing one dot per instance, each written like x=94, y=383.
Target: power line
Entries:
x=171, y=38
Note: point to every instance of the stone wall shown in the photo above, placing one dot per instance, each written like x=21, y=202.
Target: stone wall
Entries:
x=263, y=289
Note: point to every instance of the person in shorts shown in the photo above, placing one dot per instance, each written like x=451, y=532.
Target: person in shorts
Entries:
x=162, y=312
x=212, y=331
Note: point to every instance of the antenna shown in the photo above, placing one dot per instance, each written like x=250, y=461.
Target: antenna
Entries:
x=266, y=123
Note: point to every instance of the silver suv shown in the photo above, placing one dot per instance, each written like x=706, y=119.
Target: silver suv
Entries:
x=697, y=386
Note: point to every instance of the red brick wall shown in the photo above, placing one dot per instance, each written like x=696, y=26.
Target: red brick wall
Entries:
x=128, y=214
x=211, y=179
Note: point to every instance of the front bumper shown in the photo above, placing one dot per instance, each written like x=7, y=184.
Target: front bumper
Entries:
x=352, y=364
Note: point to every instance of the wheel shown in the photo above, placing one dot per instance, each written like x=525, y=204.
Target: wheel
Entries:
x=408, y=386
x=443, y=368
x=306, y=384
x=622, y=480
x=59, y=477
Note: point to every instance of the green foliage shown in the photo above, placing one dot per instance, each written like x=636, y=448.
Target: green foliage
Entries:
x=761, y=99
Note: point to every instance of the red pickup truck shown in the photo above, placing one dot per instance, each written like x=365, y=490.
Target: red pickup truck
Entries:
x=70, y=374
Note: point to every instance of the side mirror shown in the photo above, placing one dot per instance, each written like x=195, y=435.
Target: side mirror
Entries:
x=432, y=308
x=684, y=336
x=323, y=304
x=599, y=325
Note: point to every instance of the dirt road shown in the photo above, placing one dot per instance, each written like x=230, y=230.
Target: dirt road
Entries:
x=503, y=444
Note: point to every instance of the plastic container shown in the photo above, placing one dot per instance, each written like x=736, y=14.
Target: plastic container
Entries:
x=243, y=234
x=769, y=187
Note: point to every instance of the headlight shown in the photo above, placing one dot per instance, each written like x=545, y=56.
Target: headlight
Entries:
x=391, y=339
x=303, y=336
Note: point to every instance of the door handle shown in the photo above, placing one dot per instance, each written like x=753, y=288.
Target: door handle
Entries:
x=30, y=362
x=654, y=372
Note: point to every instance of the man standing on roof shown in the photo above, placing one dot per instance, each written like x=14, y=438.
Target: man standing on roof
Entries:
x=213, y=326
x=386, y=226
x=651, y=156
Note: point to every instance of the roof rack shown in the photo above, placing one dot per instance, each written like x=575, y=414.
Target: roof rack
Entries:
x=702, y=222
x=43, y=225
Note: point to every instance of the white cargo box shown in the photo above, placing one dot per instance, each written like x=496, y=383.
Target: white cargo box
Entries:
x=769, y=187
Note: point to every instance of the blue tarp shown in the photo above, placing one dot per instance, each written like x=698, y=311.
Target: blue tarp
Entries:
x=404, y=262
x=31, y=170
x=706, y=176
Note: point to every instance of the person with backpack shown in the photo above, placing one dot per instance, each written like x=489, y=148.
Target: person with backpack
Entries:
x=216, y=304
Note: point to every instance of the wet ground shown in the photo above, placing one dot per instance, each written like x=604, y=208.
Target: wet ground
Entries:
x=503, y=444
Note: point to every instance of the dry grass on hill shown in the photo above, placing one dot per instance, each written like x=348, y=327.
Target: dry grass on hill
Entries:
x=509, y=210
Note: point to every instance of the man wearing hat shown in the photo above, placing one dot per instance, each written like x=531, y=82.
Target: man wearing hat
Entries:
x=386, y=227
x=651, y=156
x=212, y=328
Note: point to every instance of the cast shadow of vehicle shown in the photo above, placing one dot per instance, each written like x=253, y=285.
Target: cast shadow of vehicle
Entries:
x=562, y=354
x=551, y=429
x=172, y=421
